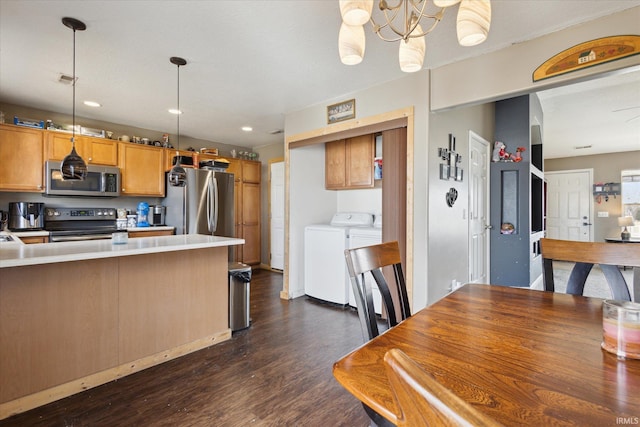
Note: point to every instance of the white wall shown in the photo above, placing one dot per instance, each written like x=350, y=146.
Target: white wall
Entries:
x=310, y=204
x=448, y=226
x=368, y=200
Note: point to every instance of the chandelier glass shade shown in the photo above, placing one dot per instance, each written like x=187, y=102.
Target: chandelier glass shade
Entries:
x=351, y=43
x=408, y=21
x=411, y=52
x=474, y=20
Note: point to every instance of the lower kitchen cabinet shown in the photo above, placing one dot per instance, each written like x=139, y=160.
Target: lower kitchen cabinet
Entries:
x=247, y=209
x=34, y=239
x=150, y=233
x=22, y=154
x=141, y=169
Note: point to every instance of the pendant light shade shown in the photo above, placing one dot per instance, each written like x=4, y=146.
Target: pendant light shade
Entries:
x=474, y=20
x=351, y=43
x=72, y=166
x=356, y=12
x=177, y=174
x=411, y=53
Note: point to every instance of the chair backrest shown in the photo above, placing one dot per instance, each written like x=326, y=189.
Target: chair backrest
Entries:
x=370, y=260
x=423, y=401
x=585, y=254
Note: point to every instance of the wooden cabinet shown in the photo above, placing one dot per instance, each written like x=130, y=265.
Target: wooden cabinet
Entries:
x=349, y=163
x=142, y=170
x=34, y=239
x=22, y=154
x=170, y=153
x=94, y=151
x=150, y=233
x=247, y=209
x=251, y=222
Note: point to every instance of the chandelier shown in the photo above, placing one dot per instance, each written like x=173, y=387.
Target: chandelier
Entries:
x=408, y=21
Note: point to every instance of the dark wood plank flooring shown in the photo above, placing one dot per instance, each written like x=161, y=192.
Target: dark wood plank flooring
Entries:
x=276, y=373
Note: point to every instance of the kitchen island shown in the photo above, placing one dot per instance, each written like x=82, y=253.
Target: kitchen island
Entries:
x=75, y=315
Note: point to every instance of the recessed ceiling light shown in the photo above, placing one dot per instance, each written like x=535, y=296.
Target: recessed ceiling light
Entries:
x=92, y=104
x=247, y=128
x=174, y=111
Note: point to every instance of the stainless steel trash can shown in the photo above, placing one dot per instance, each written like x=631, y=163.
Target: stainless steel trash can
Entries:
x=239, y=288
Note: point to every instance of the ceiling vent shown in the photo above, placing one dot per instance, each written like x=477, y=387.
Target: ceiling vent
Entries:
x=276, y=132
x=68, y=80
x=582, y=147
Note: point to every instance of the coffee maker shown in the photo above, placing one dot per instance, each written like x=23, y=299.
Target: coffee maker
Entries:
x=157, y=215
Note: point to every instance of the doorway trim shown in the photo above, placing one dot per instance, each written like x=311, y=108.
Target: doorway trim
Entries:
x=377, y=123
x=487, y=208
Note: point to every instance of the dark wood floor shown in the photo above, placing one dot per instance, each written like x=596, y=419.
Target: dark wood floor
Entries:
x=276, y=373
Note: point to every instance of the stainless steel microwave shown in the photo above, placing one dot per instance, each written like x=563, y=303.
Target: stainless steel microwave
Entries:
x=101, y=181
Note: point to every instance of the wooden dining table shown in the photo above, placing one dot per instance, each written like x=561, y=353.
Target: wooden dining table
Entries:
x=521, y=356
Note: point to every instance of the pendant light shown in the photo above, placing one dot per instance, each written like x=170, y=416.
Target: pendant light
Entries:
x=72, y=166
x=177, y=174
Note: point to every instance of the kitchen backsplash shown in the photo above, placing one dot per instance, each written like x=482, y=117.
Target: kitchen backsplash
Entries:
x=129, y=203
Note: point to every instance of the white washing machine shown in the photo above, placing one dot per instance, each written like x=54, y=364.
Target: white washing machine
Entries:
x=367, y=236
x=325, y=270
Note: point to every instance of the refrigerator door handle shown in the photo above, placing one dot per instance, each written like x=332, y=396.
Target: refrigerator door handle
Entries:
x=213, y=194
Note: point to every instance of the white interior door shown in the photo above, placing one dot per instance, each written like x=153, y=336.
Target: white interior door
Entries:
x=478, y=209
x=569, y=206
x=276, y=173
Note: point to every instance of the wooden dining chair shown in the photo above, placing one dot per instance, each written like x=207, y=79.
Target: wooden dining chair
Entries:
x=609, y=256
x=367, y=262
x=423, y=401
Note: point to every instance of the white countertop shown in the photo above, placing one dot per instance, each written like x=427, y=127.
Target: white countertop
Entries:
x=16, y=254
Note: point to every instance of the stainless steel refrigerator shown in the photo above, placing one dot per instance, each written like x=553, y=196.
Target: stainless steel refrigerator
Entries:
x=204, y=205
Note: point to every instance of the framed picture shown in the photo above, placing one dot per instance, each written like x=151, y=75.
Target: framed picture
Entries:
x=341, y=111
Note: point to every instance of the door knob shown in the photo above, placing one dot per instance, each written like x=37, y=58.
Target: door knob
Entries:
x=488, y=227
x=587, y=223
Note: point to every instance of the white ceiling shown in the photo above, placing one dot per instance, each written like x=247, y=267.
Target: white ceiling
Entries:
x=249, y=61
x=598, y=116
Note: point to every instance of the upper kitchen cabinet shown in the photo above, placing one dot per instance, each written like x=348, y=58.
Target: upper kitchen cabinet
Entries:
x=22, y=154
x=142, y=170
x=170, y=153
x=95, y=151
x=349, y=163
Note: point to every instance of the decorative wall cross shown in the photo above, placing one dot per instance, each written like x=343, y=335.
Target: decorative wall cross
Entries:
x=450, y=168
